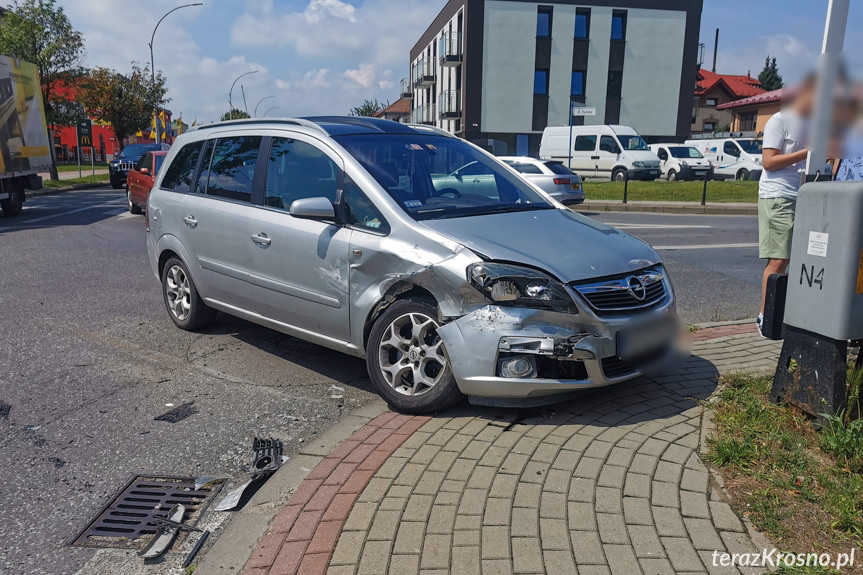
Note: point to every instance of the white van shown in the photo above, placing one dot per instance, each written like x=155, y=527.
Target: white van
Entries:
x=681, y=162
x=732, y=158
x=601, y=152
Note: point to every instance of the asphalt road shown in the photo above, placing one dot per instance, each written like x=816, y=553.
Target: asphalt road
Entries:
x=89, y=358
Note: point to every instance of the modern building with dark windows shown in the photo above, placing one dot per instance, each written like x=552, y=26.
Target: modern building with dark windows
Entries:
x=498, y=72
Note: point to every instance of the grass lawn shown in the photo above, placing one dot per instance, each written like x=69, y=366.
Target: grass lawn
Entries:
x=662, y=191
x=84, y=167
x=59, y=184
x=801, y=486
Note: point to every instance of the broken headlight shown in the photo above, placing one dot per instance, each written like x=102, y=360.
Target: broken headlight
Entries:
x=517, y=286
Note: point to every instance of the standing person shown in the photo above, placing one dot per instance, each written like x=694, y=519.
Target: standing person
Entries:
x=783, y=158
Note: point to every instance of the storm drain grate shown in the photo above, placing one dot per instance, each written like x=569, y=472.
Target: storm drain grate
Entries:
x=127, y=522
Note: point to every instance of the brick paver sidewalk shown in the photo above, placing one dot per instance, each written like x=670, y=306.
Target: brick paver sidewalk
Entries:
x=607, y=483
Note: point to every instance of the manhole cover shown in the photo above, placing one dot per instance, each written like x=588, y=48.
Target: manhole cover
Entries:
x=127, y=521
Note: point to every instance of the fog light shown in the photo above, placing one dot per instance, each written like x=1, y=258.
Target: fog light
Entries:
x=517, y=366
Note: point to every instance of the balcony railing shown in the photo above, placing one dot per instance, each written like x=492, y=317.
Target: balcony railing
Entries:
x=407, y=89
x=424, y=114
x=424, y=74
x=449, y=103
x=449, y=49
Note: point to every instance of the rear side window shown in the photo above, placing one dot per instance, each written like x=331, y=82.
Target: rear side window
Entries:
x=299, y=170
x=527, y=168
x=232, y=168
x=585, y=143
x=181, y=171
x=558, y=168
x=159, y=160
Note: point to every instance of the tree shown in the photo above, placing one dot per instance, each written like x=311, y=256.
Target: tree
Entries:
x=39, y=32
x=369, y=108
x=769, y=77
x=235, y=114
x=124, y=101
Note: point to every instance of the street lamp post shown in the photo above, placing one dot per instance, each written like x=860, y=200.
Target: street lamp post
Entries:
x=231, y=93
x=270, y=110
x=259, y=103
x=153, y=64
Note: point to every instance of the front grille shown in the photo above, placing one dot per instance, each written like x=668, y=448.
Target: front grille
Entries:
x=124, y=166
x=639, y=291
x=614, y=367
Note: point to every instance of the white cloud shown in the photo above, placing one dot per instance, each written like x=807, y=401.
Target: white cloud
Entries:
x=365, y=76
x=317, y=78
x=794, y=57
x=320, y=9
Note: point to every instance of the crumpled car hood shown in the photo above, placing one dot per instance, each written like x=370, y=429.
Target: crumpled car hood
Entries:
x=570, y=246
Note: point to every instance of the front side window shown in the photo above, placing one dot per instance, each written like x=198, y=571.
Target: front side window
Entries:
x=433, y=177
x=298, y=170
x=663, y=155
x=159, y=159
x=731, y=149
x=232, y=168
x=684, y=152
x=181, y=171
x=145, y=162
x=540, y=82
x=543, y=22
x=585, y=143
x=607, y=144
x=361, y=213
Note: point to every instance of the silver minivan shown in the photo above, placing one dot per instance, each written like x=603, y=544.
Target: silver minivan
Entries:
x=365, y=236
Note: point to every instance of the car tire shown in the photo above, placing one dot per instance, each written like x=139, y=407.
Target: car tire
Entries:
x=672, y=176
x=742, y=175
x=13, y=205
x=407, y=331
x=185, y=307
x=619, y=175
x=133, y=209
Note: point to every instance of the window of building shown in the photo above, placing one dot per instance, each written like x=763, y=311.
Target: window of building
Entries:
x=182, y=170
x=543, y=22
x=540, y=82
x=577, y=88
x=522, y=142
x=711, y=102
x=232, y=168
x=748, y=121
x=582, y=23
x=618, y=25
x=585, y=143
x=615, y=84
x=709, y=126
x=299, y=170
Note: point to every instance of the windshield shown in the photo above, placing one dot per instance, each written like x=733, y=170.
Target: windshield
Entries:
x=159, y=160
x=558, y=168
x=750, y=146
x=684, y=152
x=632, y=142
x=433, y=177
x=138, y=150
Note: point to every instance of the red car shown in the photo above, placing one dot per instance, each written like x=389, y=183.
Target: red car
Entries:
x=141, y=179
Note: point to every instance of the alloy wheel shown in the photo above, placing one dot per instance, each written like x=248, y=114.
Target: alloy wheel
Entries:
x=412, y=357
x=179, y=293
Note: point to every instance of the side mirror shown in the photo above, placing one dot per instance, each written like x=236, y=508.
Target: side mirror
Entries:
x=145, y=171
x=313, y=209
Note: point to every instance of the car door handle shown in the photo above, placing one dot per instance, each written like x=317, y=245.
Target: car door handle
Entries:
x=261, y=240
x=190, y=221
x=594, y=157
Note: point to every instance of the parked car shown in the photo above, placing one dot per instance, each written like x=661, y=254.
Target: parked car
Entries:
x=732, y=158
x=601, y=152
x=679, y=162
x=119, y=167
x=350, y=233
x=550, y=176
x=140, y=180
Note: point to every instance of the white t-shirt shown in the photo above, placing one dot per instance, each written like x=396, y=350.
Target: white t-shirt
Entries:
x=784, y=132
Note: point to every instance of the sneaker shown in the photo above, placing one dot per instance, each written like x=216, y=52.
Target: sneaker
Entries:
x=759, y=321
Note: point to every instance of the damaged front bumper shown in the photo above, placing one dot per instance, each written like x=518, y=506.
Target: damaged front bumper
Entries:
x=565, y=352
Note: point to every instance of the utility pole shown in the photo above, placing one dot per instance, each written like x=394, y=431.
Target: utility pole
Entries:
x=715, y=50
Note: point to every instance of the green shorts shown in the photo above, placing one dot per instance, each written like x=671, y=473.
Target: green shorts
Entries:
x=775, y=224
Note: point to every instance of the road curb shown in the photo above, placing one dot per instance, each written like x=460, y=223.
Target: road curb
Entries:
x=707, y=324
x=235, y=545
x=50, y=192
x=668, y=208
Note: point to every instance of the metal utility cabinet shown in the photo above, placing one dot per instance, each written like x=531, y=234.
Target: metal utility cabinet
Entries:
x=824, y=307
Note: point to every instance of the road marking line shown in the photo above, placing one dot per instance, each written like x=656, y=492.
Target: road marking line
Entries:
x=633, y=226
x=61, y=214
x=706, y=246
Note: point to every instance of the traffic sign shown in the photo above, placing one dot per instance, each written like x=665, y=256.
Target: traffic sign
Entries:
x=578, y=110
x=85, y=133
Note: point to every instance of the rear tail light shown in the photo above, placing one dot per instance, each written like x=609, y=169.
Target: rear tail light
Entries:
x=560, y=181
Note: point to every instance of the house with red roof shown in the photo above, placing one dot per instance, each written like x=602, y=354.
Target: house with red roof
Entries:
x=398, y=111
x=751, y=114
x=712, y=92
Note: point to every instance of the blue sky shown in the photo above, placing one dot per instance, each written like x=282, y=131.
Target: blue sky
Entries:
x=325, y=56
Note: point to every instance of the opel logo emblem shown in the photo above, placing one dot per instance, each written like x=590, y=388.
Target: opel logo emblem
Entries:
x=636, y=288
x=413, y=354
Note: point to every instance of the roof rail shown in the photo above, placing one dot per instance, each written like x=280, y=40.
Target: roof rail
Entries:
x=253, y=121
x=432, y=129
